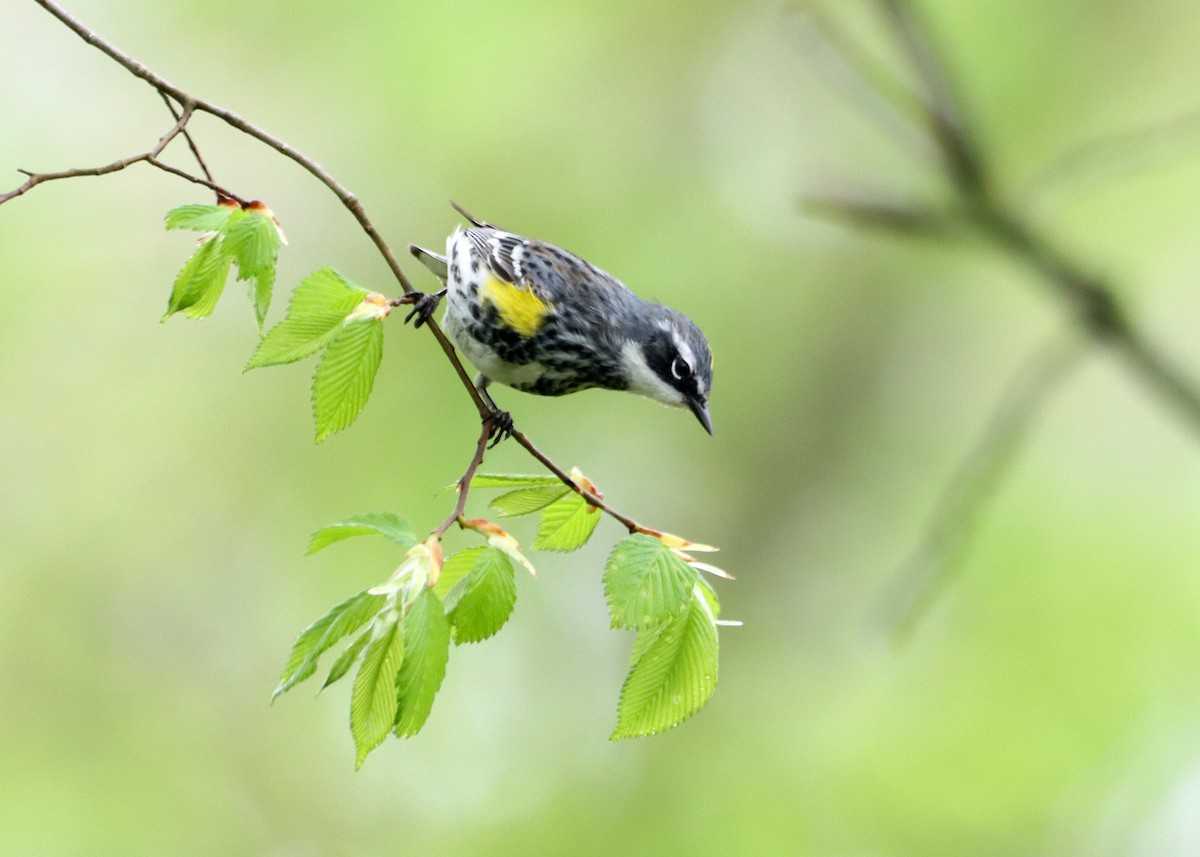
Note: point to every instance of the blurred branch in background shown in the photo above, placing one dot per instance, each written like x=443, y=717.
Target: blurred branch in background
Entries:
x=940, y=556
x=977, y=207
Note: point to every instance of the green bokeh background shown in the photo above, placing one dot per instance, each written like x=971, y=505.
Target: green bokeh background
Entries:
x=157, y=502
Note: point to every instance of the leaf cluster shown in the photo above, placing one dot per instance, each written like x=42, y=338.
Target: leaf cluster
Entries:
x=396, y=637
x=400, y=631
x=330, y=314
x=232, y=236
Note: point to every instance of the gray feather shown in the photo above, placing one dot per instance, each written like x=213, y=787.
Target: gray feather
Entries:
x=435, y=263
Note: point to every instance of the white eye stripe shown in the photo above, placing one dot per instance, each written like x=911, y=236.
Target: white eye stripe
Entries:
x=685, y=353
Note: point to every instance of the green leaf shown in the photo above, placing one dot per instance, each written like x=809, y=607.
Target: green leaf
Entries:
x=387, y=524
x=457, y=566
x=566, y=525
x=427, y=638
x=323, y=634
x=201, y=218
x=347, y=658
x=200, y=281
x=254, y=243
x=261, y=286
x=674, y=672
x=316, y=314
x=645, y=582
x=345, y=375
x=373, y=700
x=480, y=603
x=526, y=501
x=496, y=480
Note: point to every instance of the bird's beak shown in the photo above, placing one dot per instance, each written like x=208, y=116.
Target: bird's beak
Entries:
x=700, y=409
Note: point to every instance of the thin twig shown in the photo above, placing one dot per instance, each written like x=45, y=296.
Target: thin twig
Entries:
x=349, y=200
x=36, y=179
x=187, y=136
x=208, y=183
x=1118, y=152
x=190, y=105
x=946, y=119
x=939, y=556
x=928, y=221
x=862, y=78
x=464, y=483
x=162, y=85
x=591, y=498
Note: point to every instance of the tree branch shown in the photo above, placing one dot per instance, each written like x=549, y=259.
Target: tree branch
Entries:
x=592, y=499
x=464, y=483
x=190, y=105
x=1093, y=303
x=150, y=157
x=188, y=137
x=938, y=558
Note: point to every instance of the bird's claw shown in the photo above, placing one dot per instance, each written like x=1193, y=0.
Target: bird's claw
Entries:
x=500, y=426
x=424, y=306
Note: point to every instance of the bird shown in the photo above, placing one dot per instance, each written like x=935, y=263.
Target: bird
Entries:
x=533, y=316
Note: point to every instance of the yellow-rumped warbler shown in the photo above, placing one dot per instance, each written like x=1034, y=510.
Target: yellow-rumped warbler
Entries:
x=532, y=316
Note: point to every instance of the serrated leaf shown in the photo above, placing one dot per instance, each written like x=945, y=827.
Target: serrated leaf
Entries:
x=387, y=524
x=674, y=672
x=427, y=641
x=526, y=501
x=480, y=603
x=201, y=218
x=499, y=480
x=502, y=541
x=566, y=525
x=254, y=243
x=200, y=281
x=261, y=286
x=373, y=700
x=347, y=658
x=323, y=634
x=316, y=314
x=344, y=377
x=645, y=583
x=456, y=566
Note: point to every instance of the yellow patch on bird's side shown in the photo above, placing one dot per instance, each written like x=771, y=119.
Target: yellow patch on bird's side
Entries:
x=518, y=306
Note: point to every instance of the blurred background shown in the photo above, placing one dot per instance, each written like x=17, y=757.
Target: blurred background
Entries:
x=157, y=502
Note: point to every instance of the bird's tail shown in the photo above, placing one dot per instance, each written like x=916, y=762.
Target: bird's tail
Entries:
x=431, y=260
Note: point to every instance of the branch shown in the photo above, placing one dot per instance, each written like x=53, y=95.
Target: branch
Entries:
x=188, y=137
x=1093, y=303
x=1115, y=153
x=939, y=556
x=190, y=102
x=861, y=77
x=592, y=499
x=927, y=221
x=464, y=483
x=946, y=121
x=150, y=157
x=191, y=105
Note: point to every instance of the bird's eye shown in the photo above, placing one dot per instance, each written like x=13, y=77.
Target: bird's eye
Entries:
x=680, y=369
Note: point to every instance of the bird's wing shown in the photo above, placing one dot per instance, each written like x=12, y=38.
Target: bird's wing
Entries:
x=503, y=252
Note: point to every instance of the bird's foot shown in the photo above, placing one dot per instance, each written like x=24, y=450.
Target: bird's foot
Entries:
x=424, y=306
x=500, y=426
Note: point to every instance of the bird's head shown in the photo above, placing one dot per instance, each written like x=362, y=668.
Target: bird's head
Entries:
x=671, y=362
